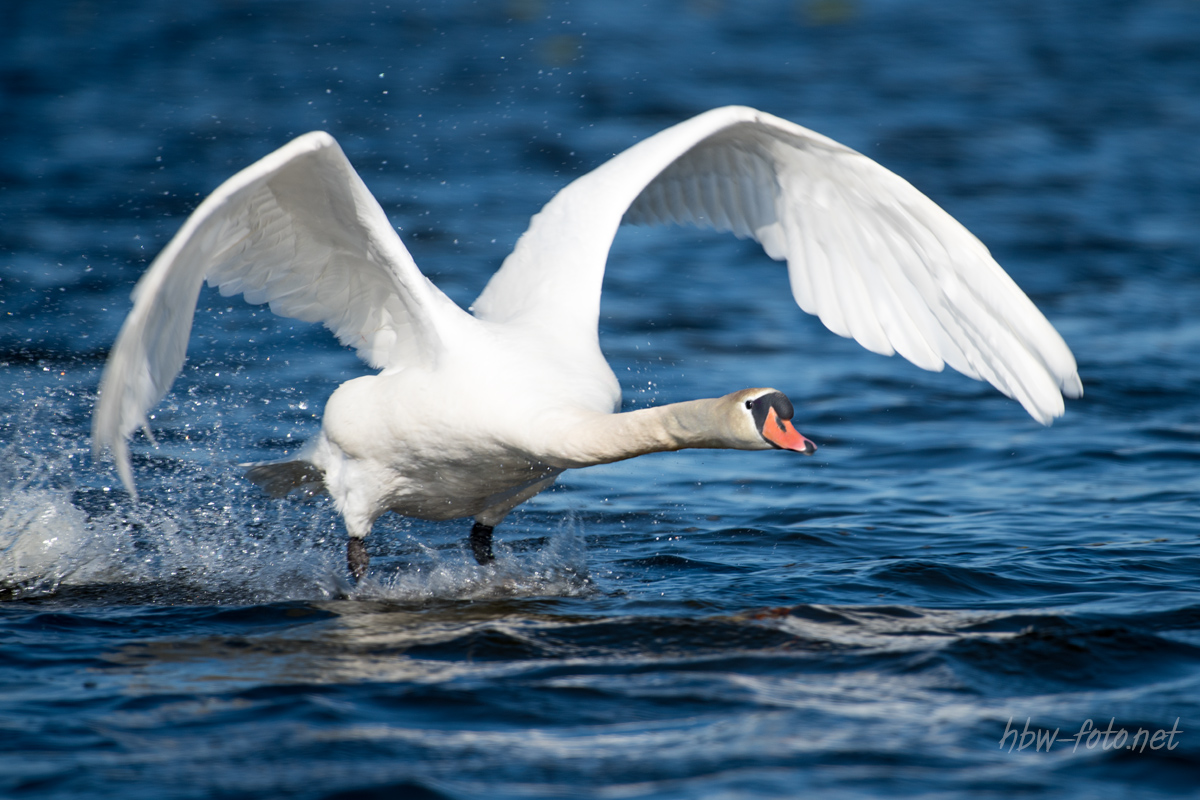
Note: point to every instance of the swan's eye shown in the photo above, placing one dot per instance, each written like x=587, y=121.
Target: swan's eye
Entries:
x=749, y=404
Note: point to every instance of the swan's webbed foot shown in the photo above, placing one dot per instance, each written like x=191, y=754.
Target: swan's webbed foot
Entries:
x=481, y=543
x=356, y=557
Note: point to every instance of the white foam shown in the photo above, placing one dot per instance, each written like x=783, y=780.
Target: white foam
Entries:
x=204, y=535
x=558, y=569
x=40, y=534
x=47, y=544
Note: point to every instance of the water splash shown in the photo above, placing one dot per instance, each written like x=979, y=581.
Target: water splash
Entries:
x=557, y=569
x=41, y=539
x=202, y=535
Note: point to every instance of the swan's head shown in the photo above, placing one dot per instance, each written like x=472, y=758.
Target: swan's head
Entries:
x=765, y=419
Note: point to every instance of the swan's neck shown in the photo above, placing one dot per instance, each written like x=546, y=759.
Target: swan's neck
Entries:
x=604, y=438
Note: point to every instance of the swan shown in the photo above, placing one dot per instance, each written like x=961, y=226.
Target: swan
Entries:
x=475, y=411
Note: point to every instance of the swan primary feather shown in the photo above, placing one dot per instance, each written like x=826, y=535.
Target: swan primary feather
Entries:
x=870, y=255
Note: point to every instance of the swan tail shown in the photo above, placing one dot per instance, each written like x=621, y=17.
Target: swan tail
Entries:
x=281, y=478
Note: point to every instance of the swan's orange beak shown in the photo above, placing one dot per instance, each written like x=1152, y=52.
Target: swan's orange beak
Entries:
x=780, y=433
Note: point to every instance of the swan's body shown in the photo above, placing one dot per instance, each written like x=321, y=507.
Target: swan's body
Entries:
x=473, y=413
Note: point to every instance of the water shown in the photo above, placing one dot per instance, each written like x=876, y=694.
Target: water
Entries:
x=863, y=623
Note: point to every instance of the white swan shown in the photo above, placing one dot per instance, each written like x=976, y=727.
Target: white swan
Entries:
x=474, y=413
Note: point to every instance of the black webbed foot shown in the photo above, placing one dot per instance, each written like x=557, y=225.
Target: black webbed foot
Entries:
x=356, y=557
x=481, y=543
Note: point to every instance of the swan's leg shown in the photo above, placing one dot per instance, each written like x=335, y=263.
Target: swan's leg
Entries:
x=489, y=518
x=353, y=485
x=481, y=543
x=357, y=558
x=359, y=516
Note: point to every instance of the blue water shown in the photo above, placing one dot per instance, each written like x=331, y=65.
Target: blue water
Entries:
x=863, y=623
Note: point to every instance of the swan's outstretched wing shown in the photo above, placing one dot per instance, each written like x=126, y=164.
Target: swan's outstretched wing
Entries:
x=870, y=255
x=298, y=230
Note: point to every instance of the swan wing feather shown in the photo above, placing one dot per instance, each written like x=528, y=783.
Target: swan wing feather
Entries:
x=297, y=230
x=870, y=255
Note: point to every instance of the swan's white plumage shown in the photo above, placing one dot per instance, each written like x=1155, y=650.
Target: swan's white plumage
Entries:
x=874, y=258
x=870, y=255
x=297, y=230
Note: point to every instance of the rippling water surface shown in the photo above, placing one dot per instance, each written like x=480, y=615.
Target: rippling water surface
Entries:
x=866, y=622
